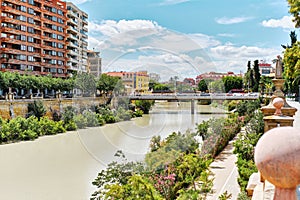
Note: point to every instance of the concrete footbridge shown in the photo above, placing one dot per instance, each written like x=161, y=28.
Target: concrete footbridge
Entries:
x=194, y=97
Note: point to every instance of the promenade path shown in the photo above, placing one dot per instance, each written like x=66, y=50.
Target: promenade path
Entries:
x=225, y=170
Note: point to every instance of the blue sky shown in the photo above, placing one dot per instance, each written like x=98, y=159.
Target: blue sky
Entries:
x=186, y=37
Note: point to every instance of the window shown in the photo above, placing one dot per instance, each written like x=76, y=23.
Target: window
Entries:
x=22, y=67
x=22, y=18
x=59, y=45
x=60, y=12
x=21, y=57
x=23, y=37
x=23, y=28
x=23, y=0
x=60, y=29
x=53, y=10
x=60, y=71
x=23, y=47
x=53, y=53
x=60, y=54
x=31, y=2
x=59, y=62
x=60, y=20
x=54, y=18
x=30, y=58
x=54, y=27
x=53, y=70
x=60, y=37
x=30, y=39
x=30, y=49
x=30, y=11
x=30, y=30
x=23, y=8
x=30, y=67
x=54, y=35
x=30, y=20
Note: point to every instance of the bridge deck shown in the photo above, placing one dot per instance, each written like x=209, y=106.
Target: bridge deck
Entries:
x=191, y=97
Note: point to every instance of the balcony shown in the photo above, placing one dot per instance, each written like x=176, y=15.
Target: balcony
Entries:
x=10, y=10
x=8, y=19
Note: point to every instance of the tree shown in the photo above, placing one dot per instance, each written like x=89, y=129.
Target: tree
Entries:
x=256, y=75
x=293, y=37
x=108, y=84
x=86, y=83
x=202, y=86
x=295, y=11
x=291, y=72
x=231, y=82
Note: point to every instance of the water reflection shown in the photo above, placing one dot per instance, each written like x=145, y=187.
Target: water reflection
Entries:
x=63, y=166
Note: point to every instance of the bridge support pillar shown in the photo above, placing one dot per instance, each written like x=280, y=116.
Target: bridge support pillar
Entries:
x=192, y=106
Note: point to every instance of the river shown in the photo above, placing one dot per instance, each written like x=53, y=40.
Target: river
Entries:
x=62, y=167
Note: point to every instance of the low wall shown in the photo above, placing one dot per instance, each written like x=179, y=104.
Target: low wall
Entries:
x=13, y=108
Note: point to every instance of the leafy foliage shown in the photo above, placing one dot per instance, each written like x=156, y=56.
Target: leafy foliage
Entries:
x=36, y=109
x=231, y=82
x=144, y=105
x=244, y=148
x=295, y=11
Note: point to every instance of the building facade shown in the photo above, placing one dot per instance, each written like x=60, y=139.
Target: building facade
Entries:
x=42, y=37
x=33, y=37
x=215, y=76
x=94, y=63
x=266, y=69
x=135, y=82
x=77, y=39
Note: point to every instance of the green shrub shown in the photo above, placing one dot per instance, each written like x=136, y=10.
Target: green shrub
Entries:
x=100, y=119
x=36, y=109
x=91, y=118
x=137, y=113
x=80, y=121
x=69, y=114
x=70, y=126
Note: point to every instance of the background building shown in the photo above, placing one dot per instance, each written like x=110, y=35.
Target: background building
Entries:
x=77, y=39
x=33, y=36
x=135, y=82
x=215, y=76
x=94, y=63
x=266, y=69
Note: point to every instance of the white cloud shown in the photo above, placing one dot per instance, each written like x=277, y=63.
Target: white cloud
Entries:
x=111, y=28
x=172, y=2
x=234, y=58
x=226, y=35
x=234, y=20
x=284, y=22
x=129, y=45
x=204, y=41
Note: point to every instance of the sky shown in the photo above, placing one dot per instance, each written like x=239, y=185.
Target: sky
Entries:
x=185, y=38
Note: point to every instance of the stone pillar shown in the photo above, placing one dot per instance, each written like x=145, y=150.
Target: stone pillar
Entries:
x=192, y=106
x=278, y=83
x=277, y=157
x=277, y=119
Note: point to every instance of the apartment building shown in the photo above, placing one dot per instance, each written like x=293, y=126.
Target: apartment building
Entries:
x=33, y=37
x=94, y=63
x=77, y=35
x=135, y=82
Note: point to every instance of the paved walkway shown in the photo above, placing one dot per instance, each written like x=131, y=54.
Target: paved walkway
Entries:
x=225, y=170
x=225, y=174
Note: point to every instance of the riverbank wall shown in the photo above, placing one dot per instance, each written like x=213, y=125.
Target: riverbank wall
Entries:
x=14, y=108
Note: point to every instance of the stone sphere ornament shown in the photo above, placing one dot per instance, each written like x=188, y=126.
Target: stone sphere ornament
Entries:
x=277, y=157
x=278, y=104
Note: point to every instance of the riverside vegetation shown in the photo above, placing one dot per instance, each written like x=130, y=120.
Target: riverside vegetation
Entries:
x=36, y=124
x=176, y=167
